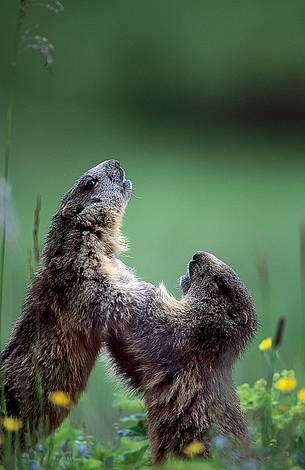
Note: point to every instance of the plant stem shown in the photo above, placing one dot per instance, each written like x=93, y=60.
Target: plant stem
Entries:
x=3, y=246
x=272, y=357
x=302, y=268
x=36, y=249
x=264, y=279
x=23, y=4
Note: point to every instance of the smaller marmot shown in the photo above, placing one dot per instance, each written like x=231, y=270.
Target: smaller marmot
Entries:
x=179, y=355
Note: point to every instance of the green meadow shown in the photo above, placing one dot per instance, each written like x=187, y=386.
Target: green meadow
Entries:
x=203, y=106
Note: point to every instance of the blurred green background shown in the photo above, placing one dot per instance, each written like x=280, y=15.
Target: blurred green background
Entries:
x=203, y=104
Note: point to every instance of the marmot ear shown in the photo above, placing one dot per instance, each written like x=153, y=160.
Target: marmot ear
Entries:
x=244, y=318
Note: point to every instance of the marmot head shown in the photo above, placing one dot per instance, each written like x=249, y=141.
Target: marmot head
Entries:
x=98, y=192
x=222, y=302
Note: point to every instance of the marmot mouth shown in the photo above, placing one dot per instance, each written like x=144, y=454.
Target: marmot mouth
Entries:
x=127, y=184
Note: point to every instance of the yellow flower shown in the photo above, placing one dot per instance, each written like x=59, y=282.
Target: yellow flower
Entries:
x=285, y=384
x=11, y=424
x=301, y=395
x=266, y=344
x=194, y=448
x=60, y=399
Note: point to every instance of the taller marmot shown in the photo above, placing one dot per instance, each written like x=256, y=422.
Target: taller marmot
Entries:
x=58, y=337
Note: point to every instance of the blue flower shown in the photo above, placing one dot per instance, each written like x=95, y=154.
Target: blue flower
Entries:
x=33, y=465
x=83, y=449
x=39, y=448
x=120, y=433
x=252, y=464
x=220, y=442
x=301, y=459
x=64, y=446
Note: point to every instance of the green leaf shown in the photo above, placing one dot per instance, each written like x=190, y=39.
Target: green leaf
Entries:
x=108, y=463
x=132, y=405
x=92, y=464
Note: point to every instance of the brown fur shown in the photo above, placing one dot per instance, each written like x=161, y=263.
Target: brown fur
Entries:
x=58, y=337
x=178, y=353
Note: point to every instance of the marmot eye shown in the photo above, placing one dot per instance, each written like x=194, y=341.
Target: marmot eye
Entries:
x=90, y=183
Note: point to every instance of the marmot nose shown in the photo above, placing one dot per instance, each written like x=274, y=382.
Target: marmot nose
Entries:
x=115, y=171
x=198, y=256
x=114, y=164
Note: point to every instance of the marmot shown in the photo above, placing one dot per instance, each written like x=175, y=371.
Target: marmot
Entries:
x=58, y=337
x=180, y=354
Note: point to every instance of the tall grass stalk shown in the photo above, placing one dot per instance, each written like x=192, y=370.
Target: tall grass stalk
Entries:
x=23, y=5
x=21, y=12
x=34, y=255
x=3, y=248
x=46, y=48
x=267, y=418
x=11, y=451
x=36, y=247
x=264, y=280
x=302, y=269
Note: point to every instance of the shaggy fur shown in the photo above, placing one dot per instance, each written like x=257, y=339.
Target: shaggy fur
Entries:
x=58, y=337
x=178, y=353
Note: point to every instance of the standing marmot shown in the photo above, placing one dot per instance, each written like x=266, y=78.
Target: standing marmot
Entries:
x=58, y=337
x=179, y=355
